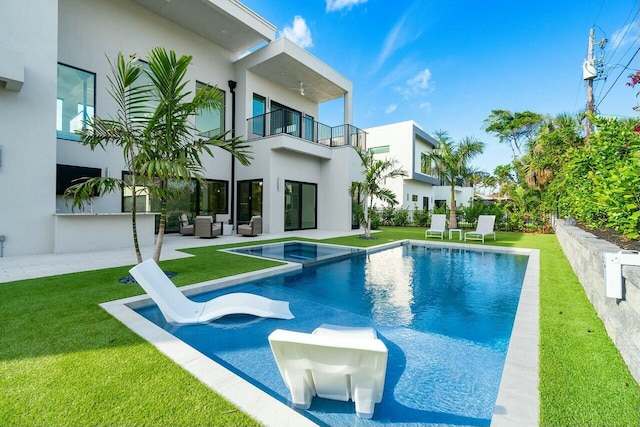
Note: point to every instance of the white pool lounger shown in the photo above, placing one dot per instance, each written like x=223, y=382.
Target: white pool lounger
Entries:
x=333, y=362
x=177, y=308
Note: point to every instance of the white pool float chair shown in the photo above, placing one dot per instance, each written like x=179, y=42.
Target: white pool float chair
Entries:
x=177, y=308
x=333, y=362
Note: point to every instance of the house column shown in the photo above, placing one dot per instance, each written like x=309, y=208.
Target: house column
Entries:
x=348, y=108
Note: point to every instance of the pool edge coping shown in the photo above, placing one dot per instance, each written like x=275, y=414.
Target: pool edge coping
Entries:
x=517, y=403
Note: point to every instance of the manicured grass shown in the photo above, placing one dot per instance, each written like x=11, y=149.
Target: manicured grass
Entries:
x=64, y=361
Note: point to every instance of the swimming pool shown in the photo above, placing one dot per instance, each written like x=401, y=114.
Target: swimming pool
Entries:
x=307, y=254
x=446, y=343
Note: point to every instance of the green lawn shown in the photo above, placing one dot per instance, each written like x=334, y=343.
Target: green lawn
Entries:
x=64, y=361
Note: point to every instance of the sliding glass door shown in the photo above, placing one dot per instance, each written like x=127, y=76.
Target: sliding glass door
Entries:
x=300, y=203
x=249, y=200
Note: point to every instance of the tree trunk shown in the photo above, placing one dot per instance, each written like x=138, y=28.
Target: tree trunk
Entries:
x=367, y=219
x=163, y=222
x=453, y=220
x=134, y=226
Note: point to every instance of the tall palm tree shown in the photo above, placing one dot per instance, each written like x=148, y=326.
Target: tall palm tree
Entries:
x=123, y=130
x=171, y=150
x=159, y=144
x=450, y=163
x=375, y=172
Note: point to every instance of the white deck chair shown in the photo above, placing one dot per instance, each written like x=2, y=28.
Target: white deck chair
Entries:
x=333, y=362
x=438, y=226
x=484, y=228
x=177, y=308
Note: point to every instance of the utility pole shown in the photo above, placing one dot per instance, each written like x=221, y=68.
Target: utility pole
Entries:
x=589, y=73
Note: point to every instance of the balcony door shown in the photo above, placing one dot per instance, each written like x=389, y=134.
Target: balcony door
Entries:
x=285, y=120
x=300, y=205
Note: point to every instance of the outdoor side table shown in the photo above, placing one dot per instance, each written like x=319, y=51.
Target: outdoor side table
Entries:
x=458, y=230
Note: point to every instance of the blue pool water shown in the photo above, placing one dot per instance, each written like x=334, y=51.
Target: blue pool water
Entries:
x=305, y=253
x=444, y=314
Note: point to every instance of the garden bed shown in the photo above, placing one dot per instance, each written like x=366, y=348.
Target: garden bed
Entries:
x=613, y=237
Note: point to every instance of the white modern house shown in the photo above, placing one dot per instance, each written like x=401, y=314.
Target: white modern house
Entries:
x=53, y=74
x=409, y=144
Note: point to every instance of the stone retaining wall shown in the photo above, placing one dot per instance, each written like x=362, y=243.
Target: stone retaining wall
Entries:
x=621, y=318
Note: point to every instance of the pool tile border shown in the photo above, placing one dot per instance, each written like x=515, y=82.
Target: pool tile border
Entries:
x=517, y=403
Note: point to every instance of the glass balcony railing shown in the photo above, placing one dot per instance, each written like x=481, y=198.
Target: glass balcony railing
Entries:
x=293, y=123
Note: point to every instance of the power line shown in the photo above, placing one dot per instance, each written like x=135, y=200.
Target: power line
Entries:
x=624, y=67
x=617, y=78
x=598, y=14
x=626, y=26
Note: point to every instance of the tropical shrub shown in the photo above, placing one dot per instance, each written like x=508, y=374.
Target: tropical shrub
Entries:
x=374, y=215
x=421, y=217
x=401, y=217
x=387, y=215
x=600, y=185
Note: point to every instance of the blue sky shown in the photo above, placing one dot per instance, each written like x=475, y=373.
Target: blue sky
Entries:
x=447, y=64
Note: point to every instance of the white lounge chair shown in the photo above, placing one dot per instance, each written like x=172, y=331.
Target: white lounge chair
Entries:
x=177, y=308
x=438, y=226
x=484, y=228
x=333, y=362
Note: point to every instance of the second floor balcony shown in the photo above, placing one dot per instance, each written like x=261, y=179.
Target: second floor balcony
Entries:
x=294, y=123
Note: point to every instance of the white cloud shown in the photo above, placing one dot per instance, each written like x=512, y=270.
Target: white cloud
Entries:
x=425, y=106
x=299, y=33
x=335, y=5
x=420, y=82
x=418, y=85
x=391, y=43
x=624, y=36
x=391, y=108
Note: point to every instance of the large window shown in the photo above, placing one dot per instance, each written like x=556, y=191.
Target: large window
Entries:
x=379, y=150
x=213, y=197
x=144, y=80
x=300, y=203
x=191, y=198
x=76, y=101
x=259, y=110
x=425, y=164
x=210, y=122
x=308, y=127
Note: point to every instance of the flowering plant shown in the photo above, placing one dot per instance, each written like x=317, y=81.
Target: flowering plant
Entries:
x=634, y=79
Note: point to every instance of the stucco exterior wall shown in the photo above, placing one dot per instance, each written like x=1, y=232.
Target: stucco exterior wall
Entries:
x=91, y=33
x=28, y=165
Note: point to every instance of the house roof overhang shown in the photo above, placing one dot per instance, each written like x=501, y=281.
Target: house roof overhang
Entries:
x=419, y=133
x=286, y=64
x=227, y=23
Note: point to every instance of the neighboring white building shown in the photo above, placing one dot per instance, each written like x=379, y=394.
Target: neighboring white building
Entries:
x=408, y=143
x=53, y=73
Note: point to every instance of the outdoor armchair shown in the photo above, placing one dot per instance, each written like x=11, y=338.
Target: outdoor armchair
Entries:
x=205, y=227
x=253, y=228
x=186, y=229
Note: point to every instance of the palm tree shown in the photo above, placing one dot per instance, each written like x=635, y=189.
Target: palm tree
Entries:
x=159, y=144
x=171, y=152
x=450, y=163
x=124, y=131
x=375, y=172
